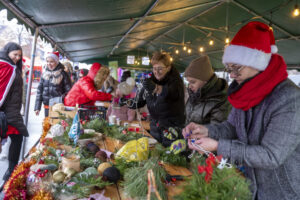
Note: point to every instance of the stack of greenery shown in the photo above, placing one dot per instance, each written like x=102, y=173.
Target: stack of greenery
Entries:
x=225, y=184
x=167, y=156
x=113, y=131
x=136, y=180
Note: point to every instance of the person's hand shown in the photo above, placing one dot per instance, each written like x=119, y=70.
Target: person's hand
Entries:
x=37, y=112
x=193, y=130
x=149, y=85
x=206, y=143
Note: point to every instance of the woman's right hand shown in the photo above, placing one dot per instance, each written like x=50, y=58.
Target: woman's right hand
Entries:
x=37, y=112
x=193, y=130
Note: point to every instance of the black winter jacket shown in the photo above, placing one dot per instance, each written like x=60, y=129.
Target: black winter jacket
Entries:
x=56, y=83
x=211, y=104
x=166, y=109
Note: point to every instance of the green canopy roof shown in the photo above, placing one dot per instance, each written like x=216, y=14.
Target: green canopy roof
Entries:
x=106, y=30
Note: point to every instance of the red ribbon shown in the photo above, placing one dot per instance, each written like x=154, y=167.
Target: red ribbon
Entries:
x=208, y=169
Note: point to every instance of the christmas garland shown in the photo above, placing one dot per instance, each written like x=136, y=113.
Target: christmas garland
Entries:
x=136, y=180
x=213, y=180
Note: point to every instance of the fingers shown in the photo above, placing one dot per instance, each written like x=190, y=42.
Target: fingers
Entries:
x=187, y=131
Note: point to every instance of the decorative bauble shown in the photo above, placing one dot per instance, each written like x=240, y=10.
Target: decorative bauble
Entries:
x=103, y=166
x=101, y=155
x=92, y=147
x=111, y=174
x=58, y=176
x=69, y=172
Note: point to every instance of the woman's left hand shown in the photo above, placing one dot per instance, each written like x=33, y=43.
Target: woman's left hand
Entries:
x=206, y=143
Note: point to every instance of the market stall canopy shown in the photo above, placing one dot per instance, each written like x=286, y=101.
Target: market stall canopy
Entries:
x=108, y=30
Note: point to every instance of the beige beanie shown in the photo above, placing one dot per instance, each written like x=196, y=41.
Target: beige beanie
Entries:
x=200, y=68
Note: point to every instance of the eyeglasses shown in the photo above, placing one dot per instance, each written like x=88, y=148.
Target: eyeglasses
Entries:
x=158, y=69
x=235, y=69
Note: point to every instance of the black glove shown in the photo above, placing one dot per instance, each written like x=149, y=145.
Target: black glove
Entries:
x=149, y=85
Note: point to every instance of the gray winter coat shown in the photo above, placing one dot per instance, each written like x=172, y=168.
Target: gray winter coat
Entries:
x=211, y=106
x=266, y=140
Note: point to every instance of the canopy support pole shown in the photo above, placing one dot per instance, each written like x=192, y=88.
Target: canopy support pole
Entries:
x=27, y=103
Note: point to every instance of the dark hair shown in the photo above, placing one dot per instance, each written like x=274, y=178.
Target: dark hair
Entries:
x=163, y=57
x=9, y=47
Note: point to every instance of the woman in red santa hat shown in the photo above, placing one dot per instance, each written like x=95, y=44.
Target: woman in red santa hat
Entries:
x=11, y=84
x=55, y=82
x=262, y=130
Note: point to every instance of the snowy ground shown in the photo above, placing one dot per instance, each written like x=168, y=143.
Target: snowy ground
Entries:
x=34, y=129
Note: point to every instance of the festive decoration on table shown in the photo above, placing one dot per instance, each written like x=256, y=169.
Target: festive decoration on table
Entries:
x=71, y=161
x=15, y=187
x=42, y=195
x=64, y=124
x=92, y=147
x=210, y=182
x=59, y=176
x=74, y=132
x=57, y=130
x=38, y=178
x=69, y=172
x=135, y=180
x=101, y=155
x=112, y=174
x=170, y=133
x=97, y=196
x=122, y=164
x=102, y=167
x=114, y=131
x=134, y=150
x=46, y=128
x=167, y=156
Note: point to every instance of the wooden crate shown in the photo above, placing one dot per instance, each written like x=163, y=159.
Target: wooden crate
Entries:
x=54, y=115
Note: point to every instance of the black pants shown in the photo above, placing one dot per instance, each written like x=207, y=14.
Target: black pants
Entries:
x=14, y=150
x=46, y=112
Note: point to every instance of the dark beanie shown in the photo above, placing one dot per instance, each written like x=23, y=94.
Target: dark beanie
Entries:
x=200, y=68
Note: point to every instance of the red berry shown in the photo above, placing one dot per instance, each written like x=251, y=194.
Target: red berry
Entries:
x=38, y=170
x=62, y=154
x=46, y=170
x=42, y=175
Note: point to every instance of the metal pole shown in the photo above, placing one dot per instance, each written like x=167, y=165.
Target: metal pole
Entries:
x=27, y=103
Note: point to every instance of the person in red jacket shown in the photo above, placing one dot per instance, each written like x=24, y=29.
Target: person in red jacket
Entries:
x=85, y=91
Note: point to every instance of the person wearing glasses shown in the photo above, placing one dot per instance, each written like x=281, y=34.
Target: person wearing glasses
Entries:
x=262, y=130
x=207, y=101
x=163, y=94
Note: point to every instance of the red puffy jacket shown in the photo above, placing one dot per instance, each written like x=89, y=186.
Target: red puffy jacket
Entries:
x=84, y=91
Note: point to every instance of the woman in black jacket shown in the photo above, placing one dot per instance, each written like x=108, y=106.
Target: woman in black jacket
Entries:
x=164, y=95
x=11, y=89
x=55, y=82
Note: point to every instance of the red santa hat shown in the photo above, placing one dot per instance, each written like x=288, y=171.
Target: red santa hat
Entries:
x=54, y=55
x=252, y=46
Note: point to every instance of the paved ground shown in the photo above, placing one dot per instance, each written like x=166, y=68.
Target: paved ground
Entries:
x=34, y=129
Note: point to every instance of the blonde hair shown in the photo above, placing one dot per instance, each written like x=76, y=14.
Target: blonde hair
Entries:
x=163, y=57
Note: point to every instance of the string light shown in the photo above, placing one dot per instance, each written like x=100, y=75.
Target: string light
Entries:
x=211, y=42
x=190, y=51
x=201, y=49
x=184, y=48
x=296, y=11
x=171, y=59
x=227, y=40
x=177, y=51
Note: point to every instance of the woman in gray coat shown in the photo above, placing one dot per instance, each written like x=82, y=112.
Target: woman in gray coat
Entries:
x=262, y=130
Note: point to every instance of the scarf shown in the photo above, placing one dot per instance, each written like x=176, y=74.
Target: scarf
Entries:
x=56, y=75
x=253, y=91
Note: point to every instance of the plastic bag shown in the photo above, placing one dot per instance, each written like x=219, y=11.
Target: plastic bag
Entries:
x=135, y=150
x=57, y=130
x=74, y=132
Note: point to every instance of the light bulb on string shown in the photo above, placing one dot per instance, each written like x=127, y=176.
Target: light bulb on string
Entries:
x=184, y=48
x=201, y=49
x=211, y=42
x=171, y=59
x=227, y=40
x=296, y=11
x=189, y=50
x=177, y=51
